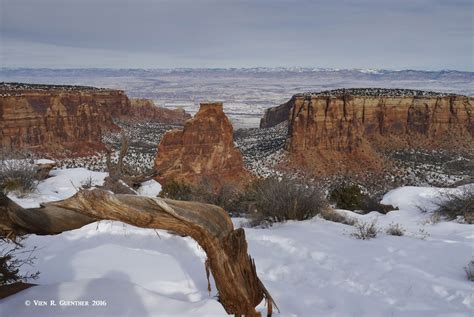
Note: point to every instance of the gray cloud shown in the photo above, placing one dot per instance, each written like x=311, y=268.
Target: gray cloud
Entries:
x=422, y=34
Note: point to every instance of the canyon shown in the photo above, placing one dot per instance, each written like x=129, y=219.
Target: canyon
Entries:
x=69, y=120
x=203, y=151
x=326, y=133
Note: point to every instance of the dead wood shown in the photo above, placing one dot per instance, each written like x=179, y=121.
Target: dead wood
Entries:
x=10, y=289
x=239, y=288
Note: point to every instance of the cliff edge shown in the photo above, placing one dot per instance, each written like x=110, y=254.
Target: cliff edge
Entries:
x=69, y=120
x=349, y=129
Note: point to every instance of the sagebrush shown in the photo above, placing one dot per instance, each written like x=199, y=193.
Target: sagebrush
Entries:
x=282, y=199
x=366, y=230
x=457, y=204
x=395, y=229
x=17, y=173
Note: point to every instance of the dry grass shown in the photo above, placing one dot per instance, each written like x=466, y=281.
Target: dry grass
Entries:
x=366, y=230
x=395, y=229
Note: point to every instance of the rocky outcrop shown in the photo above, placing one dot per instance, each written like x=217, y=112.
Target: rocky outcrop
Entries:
x=68, y=120
x=203, y=151
x=347, y=130
x=146, y=110
x=57, y=119
x=43, y=167
x=276, y=115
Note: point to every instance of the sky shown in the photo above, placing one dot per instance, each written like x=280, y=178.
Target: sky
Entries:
x=397, y=34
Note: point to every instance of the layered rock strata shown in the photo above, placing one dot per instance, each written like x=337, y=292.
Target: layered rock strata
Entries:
x=67, y=119
x=203, y=151
x=346, y=130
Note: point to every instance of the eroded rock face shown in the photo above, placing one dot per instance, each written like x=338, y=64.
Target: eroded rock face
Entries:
x=68, y=120
x=58, y=120
x=276, y=115
x=203, y=150
x=146, y=110
x=346, y=130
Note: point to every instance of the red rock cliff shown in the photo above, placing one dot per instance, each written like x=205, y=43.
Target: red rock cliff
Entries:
x=146, y=110
x=345, y=129
x=68, y=119
x=57, y=119
x=204, y=149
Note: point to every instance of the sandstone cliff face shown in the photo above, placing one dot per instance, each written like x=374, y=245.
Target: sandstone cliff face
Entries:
x=68, y=120
x=276, y=115
x=203, y=150
x=347, y=130
x=58, y=120
x=146, y=110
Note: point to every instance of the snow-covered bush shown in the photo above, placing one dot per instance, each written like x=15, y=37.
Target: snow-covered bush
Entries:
x=395, y=229
x=366, y=230
x=458, y=204
x=281, y=199
x=17, y=175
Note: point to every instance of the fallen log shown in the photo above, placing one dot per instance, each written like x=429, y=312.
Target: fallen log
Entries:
x=239, y=288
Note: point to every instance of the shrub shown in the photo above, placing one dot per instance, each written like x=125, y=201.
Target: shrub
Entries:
x=395, y=229
x=469, y=269
x=228, y=197
x=88, y=183
x=454, y=205
x=347, y=197
x=265, y=200
x=177, y=190
x=278, y=200
x=434, y=218
x=365, y=230
x=11, y=259
x=17, y=175
x=351, y=197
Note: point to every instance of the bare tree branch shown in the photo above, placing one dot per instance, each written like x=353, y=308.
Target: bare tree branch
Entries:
x=239, y=288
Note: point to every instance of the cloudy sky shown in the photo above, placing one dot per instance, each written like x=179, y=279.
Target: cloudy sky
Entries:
x=397, y=34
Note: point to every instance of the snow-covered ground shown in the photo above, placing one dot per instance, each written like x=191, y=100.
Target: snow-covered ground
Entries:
x=312, y=268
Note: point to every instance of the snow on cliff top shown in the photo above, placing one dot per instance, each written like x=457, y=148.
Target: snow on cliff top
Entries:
x=376, y=92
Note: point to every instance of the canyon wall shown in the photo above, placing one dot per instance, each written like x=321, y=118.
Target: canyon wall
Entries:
x=202, y=151
x=276, y=115
x=146, y=110
x=347, y=130
x=57, y=119
x=68, y=120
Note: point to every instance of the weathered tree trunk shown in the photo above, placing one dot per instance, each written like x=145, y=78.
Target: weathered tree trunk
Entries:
x=239, y=288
